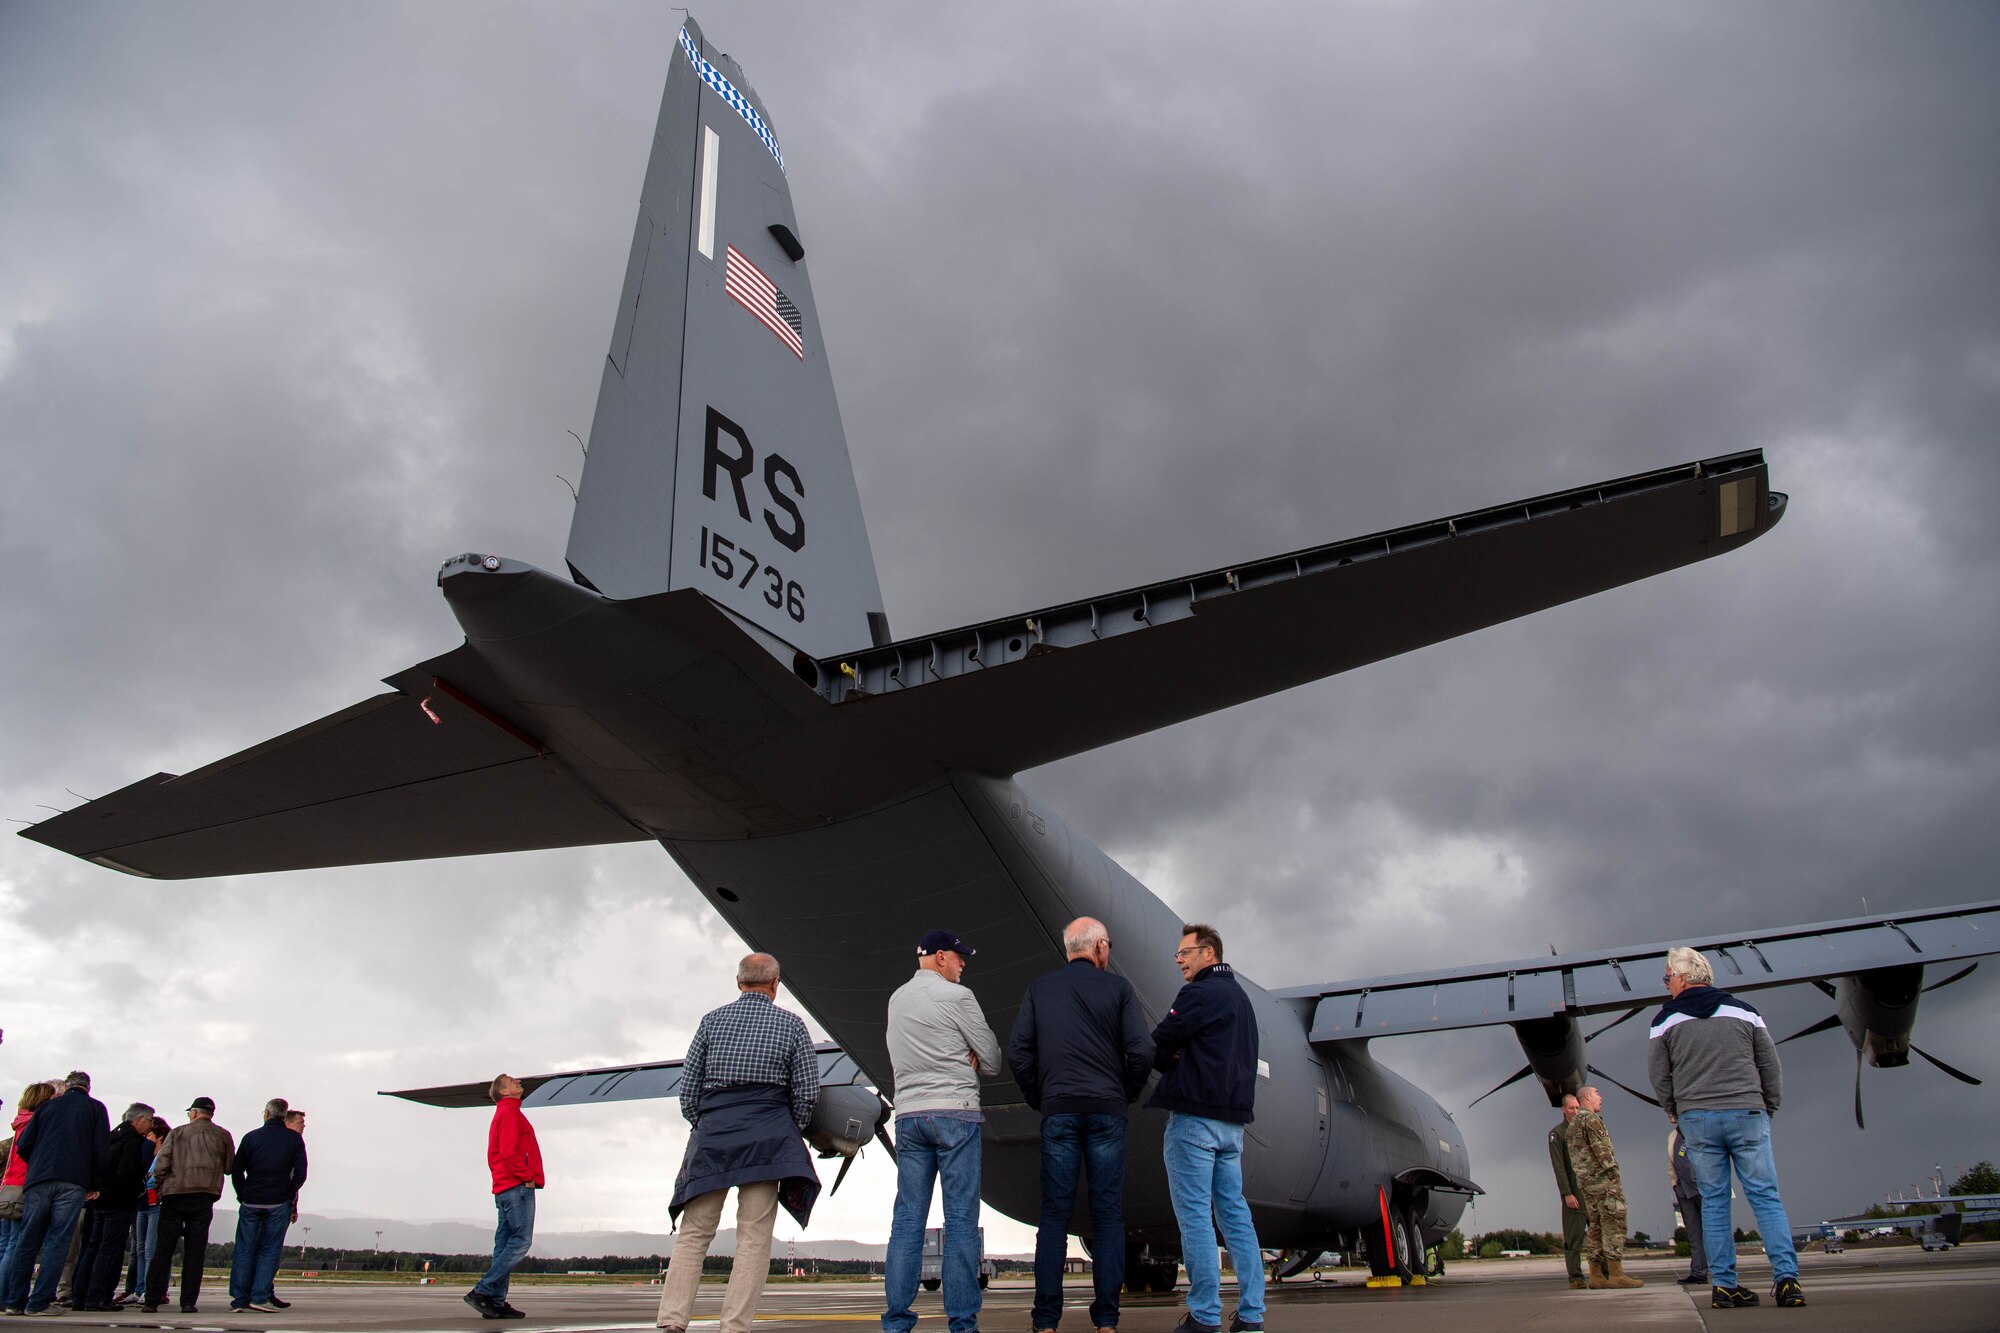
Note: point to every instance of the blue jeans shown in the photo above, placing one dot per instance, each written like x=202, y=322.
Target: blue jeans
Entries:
x=49, y=1213
x=260, y=1237
x=1069, y=1142
x=8, y=1226
x=145, y=1230
x=1716, y=1141
x=512, y=1236
x=930, y=1147
x=1205, y=1175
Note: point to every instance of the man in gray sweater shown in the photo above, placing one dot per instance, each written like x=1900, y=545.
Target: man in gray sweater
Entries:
x=1715, y=1070
x=940, y=1046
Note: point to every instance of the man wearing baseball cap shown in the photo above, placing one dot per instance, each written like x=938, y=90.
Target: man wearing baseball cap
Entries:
x=939, y=1047
x=190, y=1167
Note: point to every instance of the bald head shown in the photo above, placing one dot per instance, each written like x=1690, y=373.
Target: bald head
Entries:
x=758, y=972
x=1086, y=937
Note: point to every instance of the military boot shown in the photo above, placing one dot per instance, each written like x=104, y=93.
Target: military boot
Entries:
x=1618, y=1277
x=1600, y=1276
x=1578, y=1283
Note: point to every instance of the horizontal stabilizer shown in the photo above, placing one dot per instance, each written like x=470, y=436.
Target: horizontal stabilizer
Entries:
x=384, y=780
x=1011, y=694
x=619, y=1083
x=1590, y=983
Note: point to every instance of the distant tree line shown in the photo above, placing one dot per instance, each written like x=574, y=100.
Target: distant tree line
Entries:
x=331, y=1259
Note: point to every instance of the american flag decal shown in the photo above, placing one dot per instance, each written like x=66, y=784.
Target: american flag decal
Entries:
x=761, y=297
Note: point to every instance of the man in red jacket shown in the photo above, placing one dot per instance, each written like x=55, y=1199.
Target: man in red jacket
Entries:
x=516, y=1160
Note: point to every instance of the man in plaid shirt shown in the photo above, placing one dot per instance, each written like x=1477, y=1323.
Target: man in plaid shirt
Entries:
x=749, y=1084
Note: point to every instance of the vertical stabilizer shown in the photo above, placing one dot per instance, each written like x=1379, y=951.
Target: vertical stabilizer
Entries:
x=717, y=460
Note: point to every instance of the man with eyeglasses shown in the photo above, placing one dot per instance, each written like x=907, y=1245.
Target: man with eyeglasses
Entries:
x=1207, y=1048
x=1715, y=1070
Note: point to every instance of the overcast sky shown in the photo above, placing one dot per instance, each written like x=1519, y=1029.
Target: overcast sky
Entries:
x=298, y=300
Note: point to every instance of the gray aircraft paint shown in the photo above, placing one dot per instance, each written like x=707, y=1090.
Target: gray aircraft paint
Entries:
x=829, y=816
x=686, y=356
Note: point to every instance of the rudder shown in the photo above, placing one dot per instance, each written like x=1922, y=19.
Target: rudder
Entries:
x=717, y=459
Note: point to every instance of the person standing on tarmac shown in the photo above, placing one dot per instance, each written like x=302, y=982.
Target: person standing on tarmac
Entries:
x=1575, y=1225
x=1603, y=1193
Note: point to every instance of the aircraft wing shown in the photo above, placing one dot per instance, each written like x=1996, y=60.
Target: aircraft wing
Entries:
x=1589, y=983
x=1011, y=694
x=381, y=780
x=620, y=1083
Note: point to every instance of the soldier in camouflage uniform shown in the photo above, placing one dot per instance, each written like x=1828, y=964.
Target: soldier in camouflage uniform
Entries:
x=1596, y=1164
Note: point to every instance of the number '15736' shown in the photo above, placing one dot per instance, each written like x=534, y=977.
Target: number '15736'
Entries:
x=724, y=559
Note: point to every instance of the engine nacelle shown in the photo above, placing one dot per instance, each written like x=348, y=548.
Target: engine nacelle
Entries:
x=1554, y=1047
x=845, y=1119
x=1879, y=1010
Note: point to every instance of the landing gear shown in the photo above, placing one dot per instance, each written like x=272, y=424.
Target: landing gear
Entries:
x=1146, y=1272
x=1396, y=1242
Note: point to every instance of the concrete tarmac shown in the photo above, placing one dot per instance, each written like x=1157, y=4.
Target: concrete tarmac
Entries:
x=1861, y=1292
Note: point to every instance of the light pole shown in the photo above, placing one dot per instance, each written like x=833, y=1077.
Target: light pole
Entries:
x=302, y=1244
x=378, y=1242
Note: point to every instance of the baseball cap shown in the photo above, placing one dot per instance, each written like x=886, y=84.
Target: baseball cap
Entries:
x=941, y=941
x=203, y=1104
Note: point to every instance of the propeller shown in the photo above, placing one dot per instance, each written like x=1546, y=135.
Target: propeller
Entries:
x=1629, y=1013
x=1958, y=1074
x=1507, y=1082
x=1830, y=1021
x=1859, y=1123
x=1526, y=1070
x=1616, y=1084
x=1959, y=975
x=841, y=1174
x=882, y=1134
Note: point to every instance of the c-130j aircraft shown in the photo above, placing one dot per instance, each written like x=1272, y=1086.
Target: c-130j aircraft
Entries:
x=717, y=674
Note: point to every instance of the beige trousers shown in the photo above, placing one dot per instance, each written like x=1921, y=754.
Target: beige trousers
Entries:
x=756, y=1214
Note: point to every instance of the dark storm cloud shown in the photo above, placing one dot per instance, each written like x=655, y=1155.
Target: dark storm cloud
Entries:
x=295, y=302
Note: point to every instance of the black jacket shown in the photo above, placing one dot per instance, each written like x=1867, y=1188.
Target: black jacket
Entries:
x=68, y=1140
x=1207, y=1046
x=1080, y=1044
x=124, y=1186
x=270, y=1165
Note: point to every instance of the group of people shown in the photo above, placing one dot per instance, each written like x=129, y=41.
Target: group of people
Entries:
x=1080, y=1053
x=78, y=1195
x=1715, y=1071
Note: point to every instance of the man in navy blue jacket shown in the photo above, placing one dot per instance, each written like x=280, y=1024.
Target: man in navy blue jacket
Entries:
x=1080, y=1055
x=1207, y=1048
x=270, y=1167
x=66, y=1146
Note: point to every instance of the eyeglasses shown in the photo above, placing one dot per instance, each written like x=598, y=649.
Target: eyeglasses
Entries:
x=1193, y=948
x=1666, y=978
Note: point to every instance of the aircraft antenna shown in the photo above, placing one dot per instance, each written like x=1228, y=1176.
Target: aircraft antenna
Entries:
x=579, y=440
x=573, y=497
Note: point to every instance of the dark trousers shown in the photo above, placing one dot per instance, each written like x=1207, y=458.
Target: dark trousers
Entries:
x=184, y=1221
x=1575, y=1227
x=1072, y=1143
x=109, y=1228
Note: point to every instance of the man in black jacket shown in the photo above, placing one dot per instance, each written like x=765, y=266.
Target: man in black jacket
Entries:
x=270, y=1167
x=65, y=1145
x=1207, y=1047
x=102, y=1257
x=1080, y=1055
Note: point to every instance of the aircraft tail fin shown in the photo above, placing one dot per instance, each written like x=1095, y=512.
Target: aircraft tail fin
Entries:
x=716, y=458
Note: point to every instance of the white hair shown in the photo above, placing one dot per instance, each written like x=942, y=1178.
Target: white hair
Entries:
x=1082, y=935
x=1685, y=962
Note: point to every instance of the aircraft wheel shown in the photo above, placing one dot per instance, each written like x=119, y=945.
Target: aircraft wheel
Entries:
x=1411, y=1254
x=982, y=1281
x=933, y=1283
x=1165, y=1277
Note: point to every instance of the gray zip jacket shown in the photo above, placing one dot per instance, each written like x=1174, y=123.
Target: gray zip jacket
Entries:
x=933, y=1025
x=1711, y=1052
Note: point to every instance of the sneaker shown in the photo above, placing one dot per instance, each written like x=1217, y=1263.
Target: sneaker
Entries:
x=1789, y=1293
x=277, y=1304
x=1726, y=1298
x=507, y=1311
x=1692, y=1281
x=488, y=1307
x=149, y=1307
x=1238, y=1324
x=1189, y=1324
x=260, y=1309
